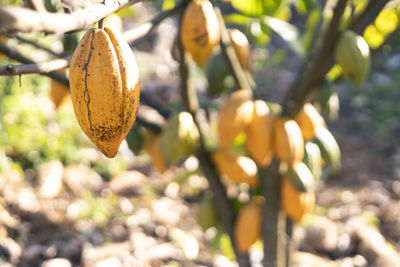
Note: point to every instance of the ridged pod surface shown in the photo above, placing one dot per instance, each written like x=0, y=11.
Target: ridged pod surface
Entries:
x=241, y=46
x=296, y=203
x=247, y=227
x=259, y=133
x=308, y=120
x=352, y=54
x=200, y=30
x=105, y=90
x=235, y=114
x=237, y=168
x=288, y=141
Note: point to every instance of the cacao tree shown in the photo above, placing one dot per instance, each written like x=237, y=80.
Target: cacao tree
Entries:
x=277, y=150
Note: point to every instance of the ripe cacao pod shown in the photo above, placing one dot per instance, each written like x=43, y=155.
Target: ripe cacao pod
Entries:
x=59, y=93
x=352, y=54
x=3, y=39
x=247, y=227
x=296, y=203
x=237, y=168
x=241, y=46
x=330, y=150
x=105, y=90
x=308, y=120
x=179, y=138
x=235, y=114
x=288, y=141
x=313, y=159
x=200, y=30
x=259, y=133
x=152, y=145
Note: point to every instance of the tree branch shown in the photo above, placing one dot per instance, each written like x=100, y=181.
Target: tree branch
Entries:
x=17, y=19
x=223, y=205
x=53, y=65
x=368, y=15
x=316, y=68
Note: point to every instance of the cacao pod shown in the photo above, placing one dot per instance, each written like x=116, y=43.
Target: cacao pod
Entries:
x=235, y=114
x=237, y=168
x=200, y=30
x=105, y=90
x=352, y=54
x=259, y=133
x=296, y=203
x=152, y=145
x=247, y=227
x=179, y=138
x=330, y=150
x=288, y=141
x=241, y=46
x=313, y=159
x=59, y=93
x=301, y=177
x=308, y=120
x=206, y=213
x=3, y=39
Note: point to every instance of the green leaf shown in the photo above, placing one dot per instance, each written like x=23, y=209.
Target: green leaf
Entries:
x=249, y=7
x=237, y=19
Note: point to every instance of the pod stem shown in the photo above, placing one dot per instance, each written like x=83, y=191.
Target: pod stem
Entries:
x=101, y=26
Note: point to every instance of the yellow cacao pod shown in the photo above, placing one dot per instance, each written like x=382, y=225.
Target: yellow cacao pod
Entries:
x=3, y=39
x=308, y=120
x=352, y=54
x=247, y=227
x=296, y=203
x=288, y=141
x=259, y=133
x=200, y=30
x=235, y=114
x=152, y=146
x=105, y=90
x=237, y=168
x=241, y=46
x=59, y=93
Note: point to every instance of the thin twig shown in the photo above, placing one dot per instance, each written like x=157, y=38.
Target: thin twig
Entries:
x=40, y=46
x=17, y=19
x=231, y=59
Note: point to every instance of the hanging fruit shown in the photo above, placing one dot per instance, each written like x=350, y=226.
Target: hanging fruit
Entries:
x=259, y=133
x=352, y=54
x=235, y=114
x=241, y=46
x=248, y=225
x=104, y=82
x=308, y=120
x=296, y=203
x=288, y=141
x=237, y=168
x=59, y=92
x=200, y=30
